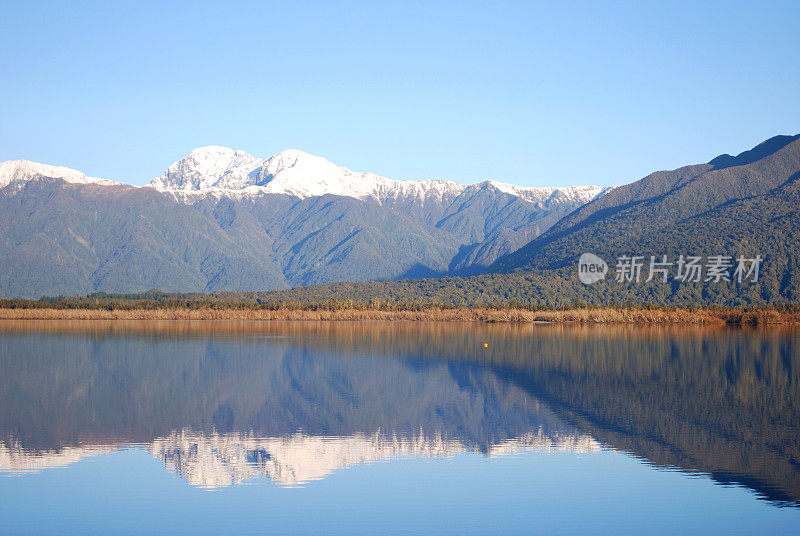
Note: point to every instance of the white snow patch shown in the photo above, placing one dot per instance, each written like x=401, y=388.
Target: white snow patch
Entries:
x=24, y=170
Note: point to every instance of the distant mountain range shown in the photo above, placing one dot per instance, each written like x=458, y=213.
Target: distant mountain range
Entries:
x=220, y=219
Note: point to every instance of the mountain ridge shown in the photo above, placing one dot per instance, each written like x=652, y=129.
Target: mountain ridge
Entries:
x=263, y=230
x=293, y=172
x=659, y=201
x=21, y=171
x=520, y=249
x=218, y=170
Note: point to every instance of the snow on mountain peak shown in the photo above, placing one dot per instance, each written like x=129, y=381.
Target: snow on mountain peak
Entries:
x=582, y=194
x=295, y=157
x=302, y=174
x=207, y=167
x=223, y=171
x=25, y=170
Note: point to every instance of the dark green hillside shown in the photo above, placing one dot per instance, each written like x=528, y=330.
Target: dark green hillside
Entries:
x=661, y=213
x=67, y=238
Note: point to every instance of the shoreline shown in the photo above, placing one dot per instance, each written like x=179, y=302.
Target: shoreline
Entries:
x=608, y=315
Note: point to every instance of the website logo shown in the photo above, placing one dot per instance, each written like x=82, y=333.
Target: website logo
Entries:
x=591, y=268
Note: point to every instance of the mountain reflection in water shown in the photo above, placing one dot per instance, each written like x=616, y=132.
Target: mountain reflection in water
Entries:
x=211, y=460
x=222, y=403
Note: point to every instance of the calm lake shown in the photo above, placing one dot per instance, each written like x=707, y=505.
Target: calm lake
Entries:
x=210, y=427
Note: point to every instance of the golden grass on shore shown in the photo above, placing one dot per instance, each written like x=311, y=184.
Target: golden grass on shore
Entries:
x=609, y=315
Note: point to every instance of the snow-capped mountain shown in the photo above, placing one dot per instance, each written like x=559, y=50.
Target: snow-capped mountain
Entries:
x=221, y=219
x=223, y=171
x=210, y=167
x=291, y=172
x=220, y=170
x=25, y=170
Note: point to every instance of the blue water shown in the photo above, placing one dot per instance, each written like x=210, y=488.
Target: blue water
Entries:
x=130, y=493
x=373, y=429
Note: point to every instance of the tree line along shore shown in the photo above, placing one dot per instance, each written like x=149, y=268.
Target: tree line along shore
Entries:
x=85, y=308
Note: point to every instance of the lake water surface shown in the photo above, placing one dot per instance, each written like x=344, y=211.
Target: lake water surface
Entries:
x=382, y=428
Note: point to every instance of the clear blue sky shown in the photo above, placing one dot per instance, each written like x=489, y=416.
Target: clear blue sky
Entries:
x=530, y=93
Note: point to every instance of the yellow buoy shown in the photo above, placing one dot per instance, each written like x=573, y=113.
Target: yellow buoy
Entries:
x=486, y=345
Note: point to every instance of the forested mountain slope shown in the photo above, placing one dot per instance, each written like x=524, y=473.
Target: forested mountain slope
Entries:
x=747, y=207
x=223, y=220
x=688, y=210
